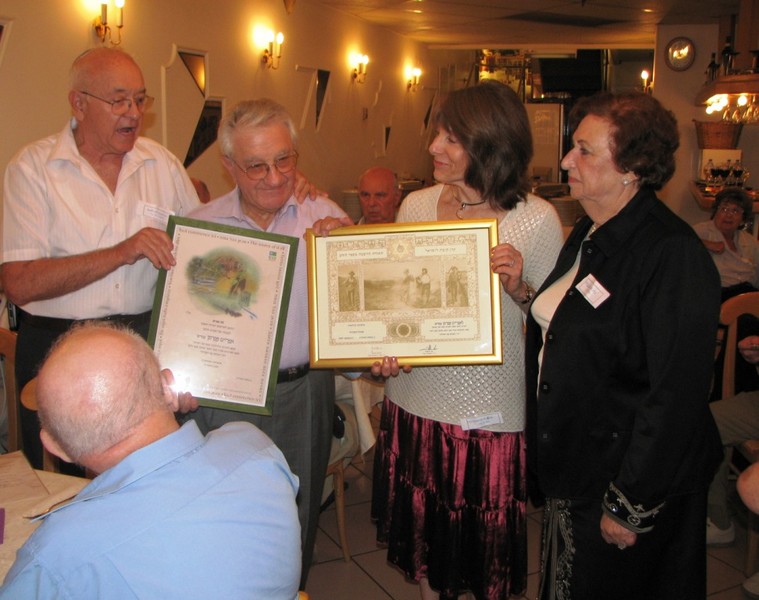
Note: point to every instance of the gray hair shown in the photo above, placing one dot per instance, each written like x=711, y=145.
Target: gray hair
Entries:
x=252, y=114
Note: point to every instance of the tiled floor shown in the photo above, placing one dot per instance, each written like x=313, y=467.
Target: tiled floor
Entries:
x=368, y=576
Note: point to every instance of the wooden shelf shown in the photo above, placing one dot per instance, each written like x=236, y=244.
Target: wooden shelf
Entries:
x=730, y=84
x=706, y=201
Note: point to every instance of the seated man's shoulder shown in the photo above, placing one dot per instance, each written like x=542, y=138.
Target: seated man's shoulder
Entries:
x=245, y=439
x=245, y=432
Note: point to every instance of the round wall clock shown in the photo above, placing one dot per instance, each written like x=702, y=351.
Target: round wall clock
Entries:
x=680, y=54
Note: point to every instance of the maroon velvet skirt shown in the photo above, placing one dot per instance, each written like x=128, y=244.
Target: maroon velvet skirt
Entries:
x=450, y=505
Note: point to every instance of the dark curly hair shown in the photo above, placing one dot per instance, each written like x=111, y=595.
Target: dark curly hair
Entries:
x=490, y=122
x=737, y=196
x=644, y=133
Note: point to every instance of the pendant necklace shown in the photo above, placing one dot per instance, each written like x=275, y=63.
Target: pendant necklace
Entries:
x=464, y=205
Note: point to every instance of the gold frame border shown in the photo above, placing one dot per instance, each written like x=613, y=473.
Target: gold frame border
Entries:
x=315, y=280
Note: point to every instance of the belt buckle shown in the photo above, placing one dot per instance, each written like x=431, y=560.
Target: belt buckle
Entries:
x=292, y=372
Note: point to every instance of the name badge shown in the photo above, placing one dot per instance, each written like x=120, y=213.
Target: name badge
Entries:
x=468, y=423
x=156, y=213
x=593, y=291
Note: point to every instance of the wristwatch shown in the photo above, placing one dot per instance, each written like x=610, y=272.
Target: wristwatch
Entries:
x=529, y=294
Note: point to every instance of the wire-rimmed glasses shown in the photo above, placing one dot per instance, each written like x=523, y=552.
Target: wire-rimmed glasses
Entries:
x=123, y=105
x=257, y=171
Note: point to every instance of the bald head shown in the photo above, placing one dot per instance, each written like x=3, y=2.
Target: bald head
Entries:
x=108, y=99
x=379, y=195
x=91, y=64
x=97, y=386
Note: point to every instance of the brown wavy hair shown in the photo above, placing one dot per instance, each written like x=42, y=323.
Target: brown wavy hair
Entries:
x=490, y=122
x=644, y=134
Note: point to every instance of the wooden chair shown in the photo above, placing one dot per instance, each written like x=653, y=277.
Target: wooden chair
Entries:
x=343, y=449
x=732, y=309
x=8, y=354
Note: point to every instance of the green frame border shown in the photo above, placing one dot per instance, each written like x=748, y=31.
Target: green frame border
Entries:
x=292, y=242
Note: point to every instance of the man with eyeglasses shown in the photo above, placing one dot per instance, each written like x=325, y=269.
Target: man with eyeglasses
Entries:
x=258, y=142
x=85, y=212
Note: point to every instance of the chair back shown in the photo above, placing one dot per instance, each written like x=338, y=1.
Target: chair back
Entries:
x=8, y=354
x=728, y=316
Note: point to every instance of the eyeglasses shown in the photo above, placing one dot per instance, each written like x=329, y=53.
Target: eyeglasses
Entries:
x=123, y=105
x=730, y=210
x=283, y=164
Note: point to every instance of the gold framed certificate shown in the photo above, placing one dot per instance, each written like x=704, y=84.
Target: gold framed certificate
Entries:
x=219, y=314
x=423, y=292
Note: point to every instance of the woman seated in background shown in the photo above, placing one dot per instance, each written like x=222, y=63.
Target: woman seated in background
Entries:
x=734, y=251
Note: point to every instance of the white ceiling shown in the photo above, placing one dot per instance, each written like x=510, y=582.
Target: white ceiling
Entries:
x=533, y=23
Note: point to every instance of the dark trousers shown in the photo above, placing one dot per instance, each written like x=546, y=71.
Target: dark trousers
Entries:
x=666, y=563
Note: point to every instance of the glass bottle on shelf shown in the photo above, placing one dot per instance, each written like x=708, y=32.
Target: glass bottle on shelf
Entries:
x=737, y=173
x=730, y=179
x=712, y=69
x=727, y=56
x=708, y=171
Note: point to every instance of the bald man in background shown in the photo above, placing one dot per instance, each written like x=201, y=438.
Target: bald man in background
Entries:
x=379, y=196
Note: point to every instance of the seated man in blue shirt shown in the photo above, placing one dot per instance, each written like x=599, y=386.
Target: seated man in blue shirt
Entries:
x=171, y=514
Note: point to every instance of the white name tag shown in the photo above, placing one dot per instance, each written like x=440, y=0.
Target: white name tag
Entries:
x=593, y=291
x=156, y=213
x=481, y=421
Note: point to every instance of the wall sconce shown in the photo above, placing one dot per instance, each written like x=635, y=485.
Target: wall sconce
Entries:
x=359, y=70
x=413, y=74
x=103, y=28
x=273, y=53
x=644, y=76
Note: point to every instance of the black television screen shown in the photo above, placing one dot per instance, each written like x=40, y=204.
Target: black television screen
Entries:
x=577, y=76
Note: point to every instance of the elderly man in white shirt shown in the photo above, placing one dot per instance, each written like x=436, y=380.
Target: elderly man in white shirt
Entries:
x=84, y=216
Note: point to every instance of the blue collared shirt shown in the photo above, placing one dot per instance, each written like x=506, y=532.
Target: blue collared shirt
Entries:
x=292, y=219
x=184, y=517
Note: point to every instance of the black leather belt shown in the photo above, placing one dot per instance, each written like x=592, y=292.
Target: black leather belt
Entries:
x=293, y=373
x=55, y=324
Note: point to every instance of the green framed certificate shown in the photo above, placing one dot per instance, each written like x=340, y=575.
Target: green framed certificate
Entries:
x=423, y=292
x=219, y=314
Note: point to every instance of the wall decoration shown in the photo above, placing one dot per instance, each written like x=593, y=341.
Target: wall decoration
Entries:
x=205, y=131
x=322, y=79
x=196, y=65
x=680, y=54
x=319, y=83
x=187, y=117
x=5, y=30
